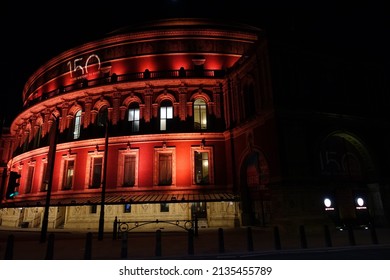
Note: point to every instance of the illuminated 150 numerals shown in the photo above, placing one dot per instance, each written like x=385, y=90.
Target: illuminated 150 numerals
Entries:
x=77, y=64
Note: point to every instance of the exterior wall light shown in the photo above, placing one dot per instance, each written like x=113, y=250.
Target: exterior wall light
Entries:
x=360, y=203
x=328, y=204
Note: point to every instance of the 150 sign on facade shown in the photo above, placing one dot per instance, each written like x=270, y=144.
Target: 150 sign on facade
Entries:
x=81, y=68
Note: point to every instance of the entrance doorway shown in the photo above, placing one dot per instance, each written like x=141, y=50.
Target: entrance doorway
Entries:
x=198, y=209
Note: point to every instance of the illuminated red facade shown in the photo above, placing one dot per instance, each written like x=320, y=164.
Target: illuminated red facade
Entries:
x=163, y=97
x=186, y=117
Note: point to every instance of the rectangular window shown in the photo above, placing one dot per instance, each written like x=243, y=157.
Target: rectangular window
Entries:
x=166, y=113
x=96, y=172
x=93, y=209
x=200, y=114
x=164, y=207
x=127, y=208
x=29, y=180
x=129, y=171
x=201, y=167
x=45, y=181
x=68, y=174
x=165, y=169
x=134, y=119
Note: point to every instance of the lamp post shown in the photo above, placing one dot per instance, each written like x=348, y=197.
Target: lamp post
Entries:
x=103, y=197
x=49, y=173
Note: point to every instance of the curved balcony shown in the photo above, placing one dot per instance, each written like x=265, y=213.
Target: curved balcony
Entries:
x=129, y=77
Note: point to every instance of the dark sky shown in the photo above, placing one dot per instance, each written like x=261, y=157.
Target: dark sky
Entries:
x=34, y=32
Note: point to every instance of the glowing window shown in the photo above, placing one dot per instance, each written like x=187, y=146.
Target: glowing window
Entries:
x=77, y=125
x=166, y=113
x=201, y=167
x=68, y=175
x=200, y=114
x=133, y=117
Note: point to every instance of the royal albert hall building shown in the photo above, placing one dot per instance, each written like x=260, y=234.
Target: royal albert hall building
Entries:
x=148, y=115
x=171, y=120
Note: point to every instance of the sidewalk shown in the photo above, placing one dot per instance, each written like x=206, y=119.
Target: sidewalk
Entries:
x=74, y=245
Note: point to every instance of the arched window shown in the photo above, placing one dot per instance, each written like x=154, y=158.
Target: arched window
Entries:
x=77, y=125
x=133, y=117
x=200, y=114
x=166, y=113
x=102, y=116
x=37, y=136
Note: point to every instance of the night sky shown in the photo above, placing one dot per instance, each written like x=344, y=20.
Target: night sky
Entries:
x=34, y=32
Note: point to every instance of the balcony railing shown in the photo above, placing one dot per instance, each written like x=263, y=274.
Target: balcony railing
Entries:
x=116, y=79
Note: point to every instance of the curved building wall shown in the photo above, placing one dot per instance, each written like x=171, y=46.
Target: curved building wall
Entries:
x=186, y=118
x=143, y=116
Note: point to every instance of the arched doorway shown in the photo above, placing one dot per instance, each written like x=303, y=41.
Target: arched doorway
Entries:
x=349, y=173
x=255, y=200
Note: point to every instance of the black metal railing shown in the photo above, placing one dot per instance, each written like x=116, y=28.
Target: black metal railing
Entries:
x=121, y=227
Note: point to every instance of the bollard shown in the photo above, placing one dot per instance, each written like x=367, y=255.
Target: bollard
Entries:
x=124, y=245
x=190, y=242
x=9, y=250
x=277, y=238
x=221, y=242
x=374, y=237
x=302, y=234
x=158, y=243
x=88, y=246
x=328, y=240
x=249, y=239
x=351, y=236
x=115, y=228
x=50, y=247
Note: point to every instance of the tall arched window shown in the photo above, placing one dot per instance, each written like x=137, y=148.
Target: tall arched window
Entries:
x=166, y=113
x=200, y=114
x=77, y=125
x=133, y=117
x=37, y=136
x=102, y=116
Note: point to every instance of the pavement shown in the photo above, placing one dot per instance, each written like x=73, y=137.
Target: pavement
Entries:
x=210, y=243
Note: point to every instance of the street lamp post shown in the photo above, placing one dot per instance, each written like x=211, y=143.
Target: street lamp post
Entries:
x=103, y=197
x=49, y=173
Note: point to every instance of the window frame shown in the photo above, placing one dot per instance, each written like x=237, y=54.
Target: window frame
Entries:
x=77, y=124
x=89, y=168
x=208, y=150
x=64, y=164
x=164, y=105
x=156, y=173
x=134, y=123
x=121, y=166
x=28, y=186
x=199, y=110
